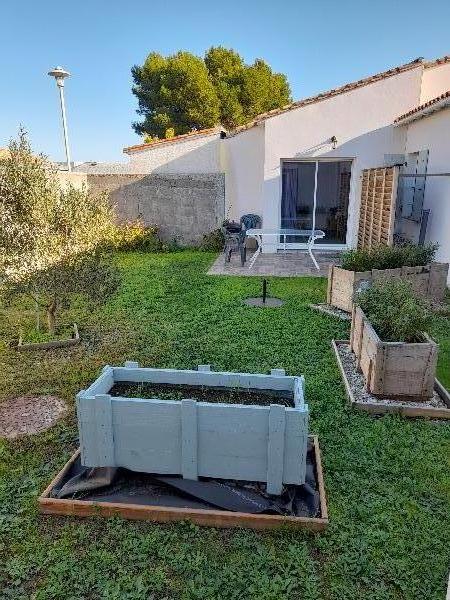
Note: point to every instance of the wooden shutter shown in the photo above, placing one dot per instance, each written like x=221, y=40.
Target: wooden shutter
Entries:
x=377, y=211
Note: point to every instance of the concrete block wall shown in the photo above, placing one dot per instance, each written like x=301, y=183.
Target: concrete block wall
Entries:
x=183, y=206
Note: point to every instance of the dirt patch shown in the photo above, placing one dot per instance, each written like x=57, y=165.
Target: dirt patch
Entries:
x=27, y=415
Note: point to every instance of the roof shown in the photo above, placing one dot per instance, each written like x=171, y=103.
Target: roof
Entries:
x=335, y=92
x=107, y=168
x=442, y=101
x=173, y=140
x=437, y=63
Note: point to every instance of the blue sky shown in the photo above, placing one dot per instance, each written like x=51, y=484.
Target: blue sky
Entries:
x=318, y=44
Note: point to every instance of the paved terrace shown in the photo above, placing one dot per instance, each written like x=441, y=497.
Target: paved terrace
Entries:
x=289, y=263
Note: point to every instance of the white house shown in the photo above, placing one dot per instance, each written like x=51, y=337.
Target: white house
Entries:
x=270, y=162
x=427, y=127
x=303, y=163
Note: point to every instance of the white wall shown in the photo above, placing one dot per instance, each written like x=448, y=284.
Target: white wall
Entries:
x=435, y=81
x=362, y=122
x=201, y=154
x=243, y=163
x=433, y=132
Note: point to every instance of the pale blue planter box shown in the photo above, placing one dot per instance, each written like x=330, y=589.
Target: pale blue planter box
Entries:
x=190, y=438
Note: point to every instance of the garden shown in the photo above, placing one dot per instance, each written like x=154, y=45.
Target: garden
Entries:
x=386, y=477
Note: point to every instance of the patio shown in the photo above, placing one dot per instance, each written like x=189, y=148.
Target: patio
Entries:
x=289, y=263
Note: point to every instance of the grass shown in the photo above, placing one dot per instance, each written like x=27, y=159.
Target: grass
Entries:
x=387, y=478
x=33, y=336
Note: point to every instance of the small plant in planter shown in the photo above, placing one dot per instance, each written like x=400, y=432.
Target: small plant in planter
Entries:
x=387, y=336
x=395, y=312
x=388, y=257
x=361, y=267
x=53, y=241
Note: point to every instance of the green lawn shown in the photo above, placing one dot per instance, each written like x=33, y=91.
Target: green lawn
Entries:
x=387, y=479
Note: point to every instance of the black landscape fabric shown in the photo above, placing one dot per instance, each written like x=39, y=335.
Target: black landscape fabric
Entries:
x=106, y=484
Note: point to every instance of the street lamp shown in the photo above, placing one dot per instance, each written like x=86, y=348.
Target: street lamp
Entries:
x=60, y=74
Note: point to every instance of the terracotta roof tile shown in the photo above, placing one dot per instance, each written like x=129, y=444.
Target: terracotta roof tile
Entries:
x=436, y=63
x=424, y=106
x=175, y=139
x=329, y=94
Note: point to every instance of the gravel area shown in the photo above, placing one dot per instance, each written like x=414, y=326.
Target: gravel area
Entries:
x=332, y=310
x=357, y=384
x=26, y=415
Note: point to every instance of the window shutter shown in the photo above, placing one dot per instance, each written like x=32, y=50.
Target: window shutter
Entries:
x=412, y=189
x=419, y=192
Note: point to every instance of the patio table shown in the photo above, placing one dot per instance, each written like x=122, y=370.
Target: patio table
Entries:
x=260, y=234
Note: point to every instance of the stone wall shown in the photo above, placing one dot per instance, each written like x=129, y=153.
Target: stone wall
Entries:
x=183, y=206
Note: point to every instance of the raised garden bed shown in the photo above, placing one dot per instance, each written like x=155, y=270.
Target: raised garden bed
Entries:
x=429, y=280
x=393, y=369
x=437, y=407
x=252, y=442
x=63, y=343
x=201, y=516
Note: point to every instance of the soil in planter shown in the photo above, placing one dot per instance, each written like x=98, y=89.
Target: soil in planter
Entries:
x=201, y=394
x=126, y=487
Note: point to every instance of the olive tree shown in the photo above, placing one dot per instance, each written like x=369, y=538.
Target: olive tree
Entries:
x=53, y=239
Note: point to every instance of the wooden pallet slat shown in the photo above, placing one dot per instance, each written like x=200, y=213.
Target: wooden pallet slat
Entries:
x=377, y=207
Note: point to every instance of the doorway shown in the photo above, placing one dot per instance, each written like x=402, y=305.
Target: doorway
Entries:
x=315, y=195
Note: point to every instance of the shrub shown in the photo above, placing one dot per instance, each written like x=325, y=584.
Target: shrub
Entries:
x=51, y=238
x=388, y=257
x=134, y=235
x=213, y=241
x=394, y=311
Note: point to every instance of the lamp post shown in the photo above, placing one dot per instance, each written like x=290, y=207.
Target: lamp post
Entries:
x=60, y=74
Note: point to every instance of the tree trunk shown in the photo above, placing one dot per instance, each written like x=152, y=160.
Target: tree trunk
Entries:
x=51, y=316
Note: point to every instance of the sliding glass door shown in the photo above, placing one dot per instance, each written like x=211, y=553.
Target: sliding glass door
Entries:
x=315, y=194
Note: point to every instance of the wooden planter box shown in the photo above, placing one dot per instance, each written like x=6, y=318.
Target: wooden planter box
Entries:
x=166, y=514
x=429, y=280
x=73, y=341
x=393, y=369
x=420, y=409
x=190, y=438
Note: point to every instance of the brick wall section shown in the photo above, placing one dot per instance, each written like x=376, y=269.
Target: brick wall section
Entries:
x=183, y=206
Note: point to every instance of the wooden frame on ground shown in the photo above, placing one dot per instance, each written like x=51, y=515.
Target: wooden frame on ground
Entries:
x=73, y=341
x=163, y=514
x=379, y=408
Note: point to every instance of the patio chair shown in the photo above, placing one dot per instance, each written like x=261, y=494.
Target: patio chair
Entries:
x=232, y=234
x=249, y=221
